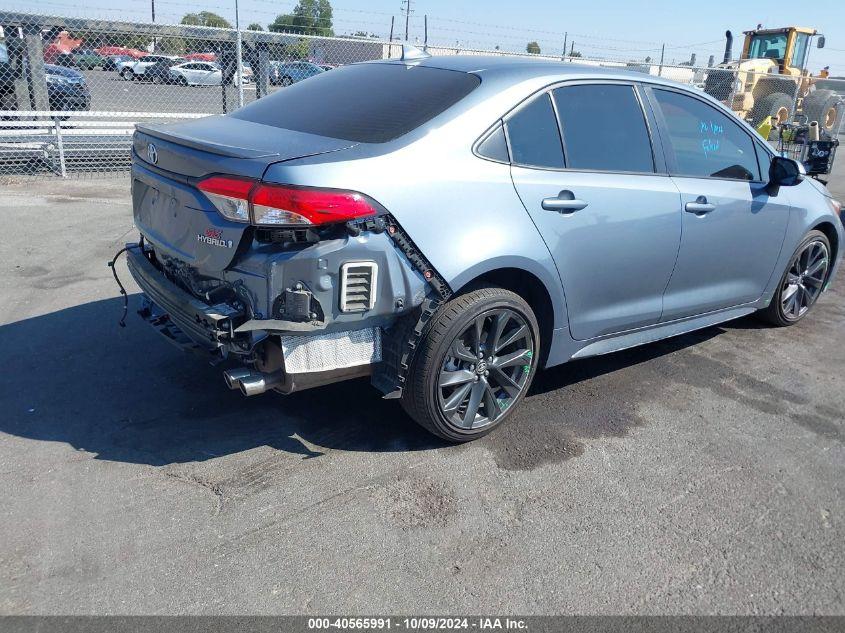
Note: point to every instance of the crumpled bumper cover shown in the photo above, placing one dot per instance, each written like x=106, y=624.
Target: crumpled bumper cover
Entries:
x=182, y=318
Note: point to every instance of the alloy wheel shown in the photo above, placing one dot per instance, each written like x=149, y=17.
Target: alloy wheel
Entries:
x=486, y=369
x=804, y=280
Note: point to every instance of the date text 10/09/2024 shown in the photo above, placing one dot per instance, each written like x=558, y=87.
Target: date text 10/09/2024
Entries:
x=418, y=623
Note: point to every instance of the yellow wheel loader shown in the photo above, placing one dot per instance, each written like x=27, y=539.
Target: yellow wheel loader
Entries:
x=771, y=77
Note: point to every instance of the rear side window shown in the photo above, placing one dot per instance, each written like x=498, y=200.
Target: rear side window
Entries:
x=366, y=103
x=495, y=146
x=604, y=128
x=533, y=135
x=706, y=142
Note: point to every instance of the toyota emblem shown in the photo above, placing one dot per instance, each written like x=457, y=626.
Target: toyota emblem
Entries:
x=152, y=153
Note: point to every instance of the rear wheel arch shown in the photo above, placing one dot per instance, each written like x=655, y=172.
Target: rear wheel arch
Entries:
x=532, y=289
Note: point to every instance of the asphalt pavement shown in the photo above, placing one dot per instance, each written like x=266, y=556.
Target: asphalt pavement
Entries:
x=702, y=474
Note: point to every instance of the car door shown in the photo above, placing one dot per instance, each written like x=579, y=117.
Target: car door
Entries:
x=733, y=230
x=601, y=200
x=196, y=73
x=201, y=73
x=216, y=76
x=208, y=75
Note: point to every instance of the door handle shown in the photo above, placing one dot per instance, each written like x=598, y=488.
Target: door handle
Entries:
x=564, y=202
x=700, y=206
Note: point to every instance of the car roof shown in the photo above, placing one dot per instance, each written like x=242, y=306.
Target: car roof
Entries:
x=528, y=67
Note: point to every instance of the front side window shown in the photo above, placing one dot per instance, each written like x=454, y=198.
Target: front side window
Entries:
x=706, y=142
x=767, y=46
x=604, y=128
x=533, y=135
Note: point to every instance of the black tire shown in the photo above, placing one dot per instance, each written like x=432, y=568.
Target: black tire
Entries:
x=776, y=313
x=127, y=74
x=182, y=81
x=287, y=81
x=770, y=105
x=826, y=107
x=424, y=396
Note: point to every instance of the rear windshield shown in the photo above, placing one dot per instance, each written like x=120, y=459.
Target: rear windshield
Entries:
x=366, y=103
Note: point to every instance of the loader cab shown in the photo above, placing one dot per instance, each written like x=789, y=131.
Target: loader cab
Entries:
x=788, y=47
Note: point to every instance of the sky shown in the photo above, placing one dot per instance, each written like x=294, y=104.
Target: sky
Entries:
x=611, y=29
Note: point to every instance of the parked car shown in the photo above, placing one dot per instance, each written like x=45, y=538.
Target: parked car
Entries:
x=249, y=76
x=66, y=88
x=111, y=62
x=451, y=225
x=86, y=59
x=135, y=69
x=197, y=74
x=107, y=51
x=160, y=73
x=82, y=59
x=285, y=74
x=204, y=74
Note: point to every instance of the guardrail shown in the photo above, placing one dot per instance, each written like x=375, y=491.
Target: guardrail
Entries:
x=54, y=142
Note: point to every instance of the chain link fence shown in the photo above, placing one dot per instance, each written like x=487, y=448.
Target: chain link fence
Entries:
x=72, y=89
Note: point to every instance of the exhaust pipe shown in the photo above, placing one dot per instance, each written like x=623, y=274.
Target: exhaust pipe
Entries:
x=233, y=377
x=256, y=383
x=729, y=44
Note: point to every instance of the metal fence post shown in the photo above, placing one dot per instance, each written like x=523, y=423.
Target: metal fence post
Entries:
x=732, y=92
x=240, y=75
x=795, y=97
x=57, y=123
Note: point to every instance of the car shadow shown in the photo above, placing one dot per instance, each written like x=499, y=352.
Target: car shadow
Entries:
x=595, y=366
x=75, y=376
x=123, y=394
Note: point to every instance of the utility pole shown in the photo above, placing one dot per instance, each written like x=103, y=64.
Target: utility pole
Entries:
x=153, y=6
x=390, y=39
x=662, y=52
x=565, y=36
x=406, y=7
x=425, y=32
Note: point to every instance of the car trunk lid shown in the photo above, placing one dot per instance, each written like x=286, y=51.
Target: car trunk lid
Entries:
x=170, y=159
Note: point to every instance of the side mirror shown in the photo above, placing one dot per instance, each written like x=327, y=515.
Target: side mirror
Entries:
x=820, y=42
x=784, y=172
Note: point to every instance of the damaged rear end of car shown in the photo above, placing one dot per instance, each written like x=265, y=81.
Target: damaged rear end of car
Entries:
x=294, y=285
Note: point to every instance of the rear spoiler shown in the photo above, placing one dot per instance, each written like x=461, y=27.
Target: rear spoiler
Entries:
x=163, y=131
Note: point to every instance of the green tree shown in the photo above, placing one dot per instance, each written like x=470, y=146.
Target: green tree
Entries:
x=171, y=46
x=309, y=17
x=255, y=26
x=95, y=39
x=533, y=48
x=206, y=18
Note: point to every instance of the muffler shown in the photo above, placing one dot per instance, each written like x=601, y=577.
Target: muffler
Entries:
x=233, y=377
x=257, y=382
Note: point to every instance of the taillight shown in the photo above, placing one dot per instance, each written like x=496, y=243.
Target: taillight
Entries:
x=230, y=196
x=261, y=204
